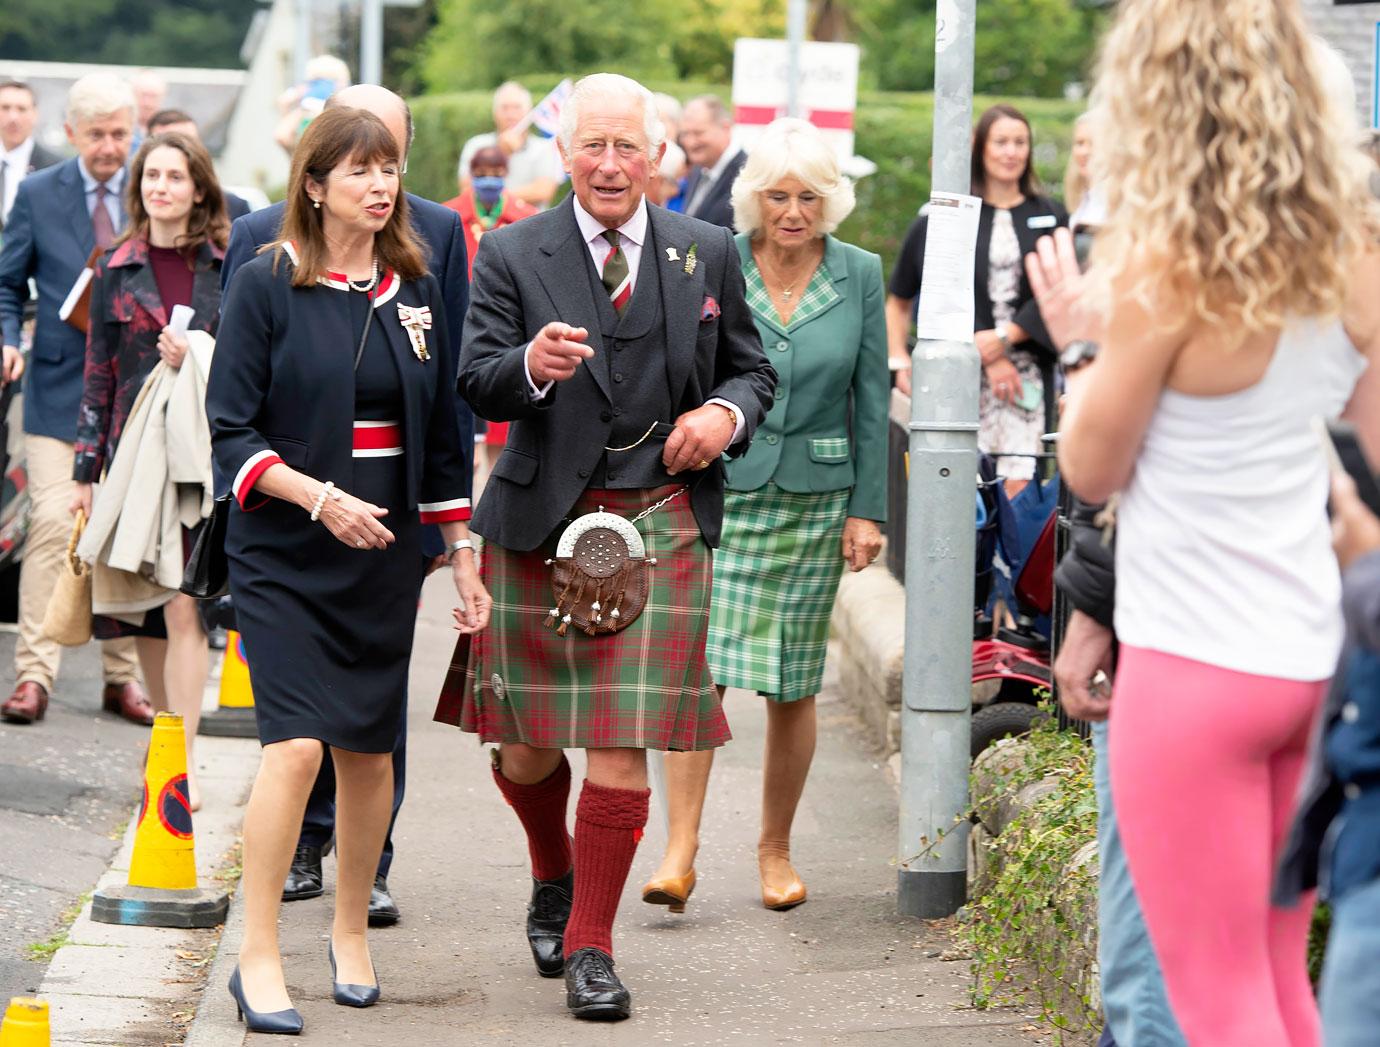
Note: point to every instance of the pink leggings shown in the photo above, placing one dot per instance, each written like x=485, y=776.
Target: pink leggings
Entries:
x=1205, y=763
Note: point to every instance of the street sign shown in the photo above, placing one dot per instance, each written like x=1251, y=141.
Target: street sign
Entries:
x=828, y=88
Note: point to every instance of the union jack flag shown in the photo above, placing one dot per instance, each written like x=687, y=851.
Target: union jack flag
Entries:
x=545, y=118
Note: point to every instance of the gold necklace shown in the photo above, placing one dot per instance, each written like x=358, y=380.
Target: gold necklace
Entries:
x=786, y=290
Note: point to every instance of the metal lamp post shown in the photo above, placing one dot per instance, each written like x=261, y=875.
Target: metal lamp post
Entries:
x=940, y=541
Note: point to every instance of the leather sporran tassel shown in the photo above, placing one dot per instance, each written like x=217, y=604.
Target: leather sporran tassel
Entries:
x=600, y=576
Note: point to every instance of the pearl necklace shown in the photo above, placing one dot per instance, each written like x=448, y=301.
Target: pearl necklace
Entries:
x=373, y=279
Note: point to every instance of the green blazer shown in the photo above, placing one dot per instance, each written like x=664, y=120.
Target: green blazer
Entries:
x=827, y=428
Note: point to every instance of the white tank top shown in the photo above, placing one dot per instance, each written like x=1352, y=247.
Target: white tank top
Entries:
x=1224, y=551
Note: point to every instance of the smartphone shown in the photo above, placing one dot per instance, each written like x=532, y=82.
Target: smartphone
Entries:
x=1345, y=455
x=1032, y=396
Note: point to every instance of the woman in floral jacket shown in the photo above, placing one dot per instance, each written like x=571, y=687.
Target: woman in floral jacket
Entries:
x=169, y=256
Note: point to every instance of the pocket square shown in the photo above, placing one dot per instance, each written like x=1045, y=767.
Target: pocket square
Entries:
x=709, y=310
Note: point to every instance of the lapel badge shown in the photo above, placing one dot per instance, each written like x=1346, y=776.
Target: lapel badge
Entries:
x=671, y=255
x=416, y=320
x=690, y=260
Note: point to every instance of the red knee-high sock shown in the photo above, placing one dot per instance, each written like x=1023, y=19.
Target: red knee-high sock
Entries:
x=541, y=809
x=608, y=826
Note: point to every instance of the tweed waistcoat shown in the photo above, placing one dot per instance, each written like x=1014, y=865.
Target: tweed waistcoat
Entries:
x=635, y=362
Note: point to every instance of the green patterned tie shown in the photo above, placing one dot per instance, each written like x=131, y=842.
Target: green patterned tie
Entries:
x=617, y=280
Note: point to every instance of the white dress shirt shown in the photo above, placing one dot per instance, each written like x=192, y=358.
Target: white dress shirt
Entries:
x=15, y=163
x=632, y=234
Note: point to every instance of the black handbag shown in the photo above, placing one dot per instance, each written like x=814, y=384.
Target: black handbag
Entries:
x=207, y=575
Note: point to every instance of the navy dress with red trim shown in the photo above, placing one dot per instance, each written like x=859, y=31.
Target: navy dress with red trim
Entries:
x=327, y=628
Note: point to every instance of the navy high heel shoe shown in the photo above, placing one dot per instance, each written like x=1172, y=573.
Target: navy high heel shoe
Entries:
x=281, y=1023
x=351, y=995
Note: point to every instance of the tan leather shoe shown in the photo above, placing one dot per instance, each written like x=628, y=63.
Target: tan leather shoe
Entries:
x=787, y=897
x=28, y=703
x=670, y=891
x=129, y=700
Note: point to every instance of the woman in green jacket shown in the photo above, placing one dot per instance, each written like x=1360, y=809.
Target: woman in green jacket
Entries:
x=807, y=497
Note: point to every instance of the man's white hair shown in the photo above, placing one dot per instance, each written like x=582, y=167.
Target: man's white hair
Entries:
x=668, y=105
x=606, y=87
x=98, y=95
x=672, y=161
x=509, y=87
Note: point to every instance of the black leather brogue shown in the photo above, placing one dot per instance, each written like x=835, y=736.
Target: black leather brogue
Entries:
x=547, y=914
x=592, y=990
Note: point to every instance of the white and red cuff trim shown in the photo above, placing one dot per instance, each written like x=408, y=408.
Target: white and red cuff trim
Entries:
x=257, y=464
x=453, y=511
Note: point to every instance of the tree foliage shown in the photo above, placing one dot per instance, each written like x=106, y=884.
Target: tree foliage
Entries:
x=205, y=33
x=1025, y=47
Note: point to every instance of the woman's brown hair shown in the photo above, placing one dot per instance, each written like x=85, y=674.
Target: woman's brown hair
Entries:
x=207, y=222
x=1030, y=184
x=335, y=136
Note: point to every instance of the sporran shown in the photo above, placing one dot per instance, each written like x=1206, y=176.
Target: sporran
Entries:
x=599, y=576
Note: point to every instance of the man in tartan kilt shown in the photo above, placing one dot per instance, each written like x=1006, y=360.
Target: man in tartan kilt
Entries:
x=617, y=340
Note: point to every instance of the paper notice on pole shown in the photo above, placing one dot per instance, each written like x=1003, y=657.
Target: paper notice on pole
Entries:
x=946, y=20
x=181, y=319
x=946, y=288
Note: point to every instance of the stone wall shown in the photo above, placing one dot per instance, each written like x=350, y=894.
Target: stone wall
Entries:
x=869, y=625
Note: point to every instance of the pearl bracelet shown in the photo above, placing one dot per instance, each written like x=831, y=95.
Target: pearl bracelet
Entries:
x=320, y=502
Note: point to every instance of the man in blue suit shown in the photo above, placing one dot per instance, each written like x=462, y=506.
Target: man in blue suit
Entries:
x=440, y=231
x=60, y=214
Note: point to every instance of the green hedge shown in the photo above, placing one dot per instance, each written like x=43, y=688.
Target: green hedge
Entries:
x=893, y=129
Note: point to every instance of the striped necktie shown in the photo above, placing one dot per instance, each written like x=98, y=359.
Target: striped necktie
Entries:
x=617, y=278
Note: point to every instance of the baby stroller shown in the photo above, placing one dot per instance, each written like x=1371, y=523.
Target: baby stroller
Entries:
x=1015, y=569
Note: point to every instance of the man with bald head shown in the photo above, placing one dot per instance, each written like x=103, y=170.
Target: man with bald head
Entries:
x=440, y=230
x=534, y=166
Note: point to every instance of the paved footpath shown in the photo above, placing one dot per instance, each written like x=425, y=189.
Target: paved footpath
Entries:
x=842, y=969
x=67, y=786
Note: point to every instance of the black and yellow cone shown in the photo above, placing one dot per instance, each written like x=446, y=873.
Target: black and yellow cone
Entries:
x=234, y=714
x=162, y=890
x=26, y=1023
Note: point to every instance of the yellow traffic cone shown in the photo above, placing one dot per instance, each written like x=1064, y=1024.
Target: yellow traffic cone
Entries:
x=234, y=715
x=162, y=890
x=26, y=1023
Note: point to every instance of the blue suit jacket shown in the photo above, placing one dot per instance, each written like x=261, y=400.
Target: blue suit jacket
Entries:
x=440, y=230
x=48, y=237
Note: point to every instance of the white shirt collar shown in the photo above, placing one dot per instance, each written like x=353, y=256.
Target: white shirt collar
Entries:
x=112, y=185
x=634, y=229
x=726, y=158
x=18, y=157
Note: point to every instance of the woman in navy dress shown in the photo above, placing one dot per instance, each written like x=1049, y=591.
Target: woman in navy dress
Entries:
x=331, y=402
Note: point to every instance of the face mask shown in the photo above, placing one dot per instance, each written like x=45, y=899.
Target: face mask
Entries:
x=487, y=189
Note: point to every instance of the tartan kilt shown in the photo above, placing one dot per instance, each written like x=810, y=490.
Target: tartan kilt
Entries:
x=646, y=687
x=776, y=573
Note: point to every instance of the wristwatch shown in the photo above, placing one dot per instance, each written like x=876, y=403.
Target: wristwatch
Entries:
x=456, y=546
x=1077, y=354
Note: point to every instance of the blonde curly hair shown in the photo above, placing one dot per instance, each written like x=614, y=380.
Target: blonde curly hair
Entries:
x=1236, y=193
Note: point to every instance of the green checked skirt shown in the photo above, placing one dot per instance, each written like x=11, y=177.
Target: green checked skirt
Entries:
x=646, y=687
x=776, y=572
